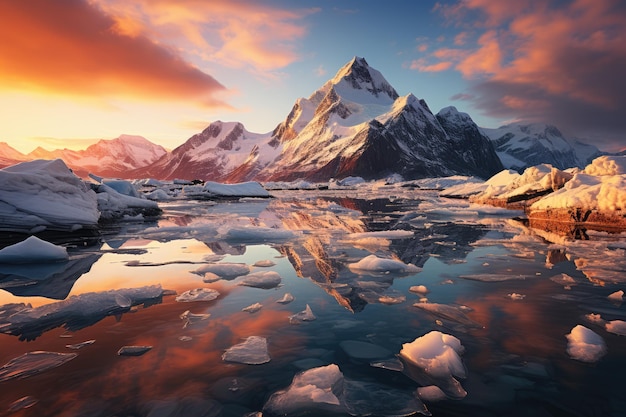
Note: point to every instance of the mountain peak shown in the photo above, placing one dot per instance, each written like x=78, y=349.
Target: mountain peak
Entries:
x=357, y=77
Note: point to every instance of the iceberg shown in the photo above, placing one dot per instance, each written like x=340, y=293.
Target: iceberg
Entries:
x=225, y=270
x=32, y=363
x=198, y=294
x=33, y=250
x=585, y=345
x=304, y=315
x=253, y=351
x=434, y=359
x=253, y=308
x=265, y=280
x=45, y=195
x=74, y=313
x=316, y=391
x=286, y=299
x=115, y=205
x=373, y=263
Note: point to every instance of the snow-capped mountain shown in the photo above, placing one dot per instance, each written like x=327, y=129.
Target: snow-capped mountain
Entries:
x=356, y=124
x=221, y=150
x=10, y=156
x=520, y=146
x=109, y=158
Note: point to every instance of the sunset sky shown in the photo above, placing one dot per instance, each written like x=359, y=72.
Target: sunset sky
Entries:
x=75, y=71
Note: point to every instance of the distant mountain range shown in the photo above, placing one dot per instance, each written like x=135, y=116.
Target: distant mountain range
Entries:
x=356, y=124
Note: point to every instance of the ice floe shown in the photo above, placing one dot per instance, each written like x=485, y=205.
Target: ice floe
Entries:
x=252, y=308
x=265, y=280
x=304, y=315
x=585, y=345
x=435, y=357
x=265, y=263
x=373, y=263
x=190, y=318
x=616, y=296
x=224, y=270
x=33, y=363
x=133, y=350
x=33, y=250
x=253, y=351
x=286, y=299
x=617, y=327
x=74, y=313
x=81, y=345
x=244, y=189
x=198, y=294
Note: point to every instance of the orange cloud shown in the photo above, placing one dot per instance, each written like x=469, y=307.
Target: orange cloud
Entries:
x=485, y=60
x=421, y=65
x=237, y=34
x=74, y=48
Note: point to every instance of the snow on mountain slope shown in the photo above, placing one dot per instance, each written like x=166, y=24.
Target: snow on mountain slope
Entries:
x=220, y=150
x=523, y=145
x=10, y=156
x=360, y=126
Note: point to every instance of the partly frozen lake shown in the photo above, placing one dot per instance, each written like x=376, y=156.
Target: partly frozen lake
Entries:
x=222, y=306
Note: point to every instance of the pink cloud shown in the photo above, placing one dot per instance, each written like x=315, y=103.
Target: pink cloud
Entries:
x=423, y=66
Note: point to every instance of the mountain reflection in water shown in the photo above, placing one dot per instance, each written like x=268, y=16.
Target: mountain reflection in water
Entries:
x=509, y=293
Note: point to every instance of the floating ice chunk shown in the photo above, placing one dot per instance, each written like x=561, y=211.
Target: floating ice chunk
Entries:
x=133, y=350
x=304, y=315
x=251, y=352
x=253, y=308
x=383, y=234
x=286, y=299
x=370, y=398
x=226, y=271
x=158, y=195
x=364, y=350
x=243, y=189
x=431, y=393
x=373, y=263
x=436, y=356
x=516, y=296
x=315, y=391
x=266, y=263
x=76, y=312
x=456, y=314
x=32, y=363
x=189, y=318
x=585, y=345
x=595, y=318
x=32, y=250
x=81, y=345
x=391, y=297
x=198, y=294
x=22, y=403
x=563, y=279
x=419, y=289
x=265, y=280
x=617, y=327
x=617, y=296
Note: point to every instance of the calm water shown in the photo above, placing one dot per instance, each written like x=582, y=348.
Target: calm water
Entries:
x=472, y=259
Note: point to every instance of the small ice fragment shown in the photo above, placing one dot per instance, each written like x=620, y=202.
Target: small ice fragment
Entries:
x=516, y=296
x=81, y=345
x=391, y=298
x=585, y=345
x=253, y=308
x=133, y=350
x=266, y=263
x=419, y=289
x=210, y=277
x=253, y=351
x=563, y=279
x=431, y=393
x=305, y=315
x=617, y=296
x=185, y=338
x=595, y=318
x=617, y=327
x=22, y=403
x=287, y=298
x=265, y=280
x=391, y=364
x=198, y=294
x=314, y=391
x=224, y=270
x=32, y=363
x=191, y=318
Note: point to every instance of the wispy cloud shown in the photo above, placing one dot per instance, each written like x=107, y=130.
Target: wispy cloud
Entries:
x=557, y=61
x=74, y=48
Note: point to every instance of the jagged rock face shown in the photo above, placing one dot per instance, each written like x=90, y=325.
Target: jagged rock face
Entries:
x=523, y=145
